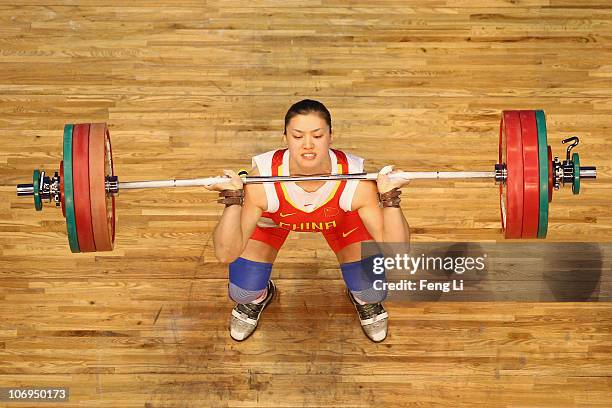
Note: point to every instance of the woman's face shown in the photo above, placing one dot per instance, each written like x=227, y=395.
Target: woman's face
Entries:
x=308, y=139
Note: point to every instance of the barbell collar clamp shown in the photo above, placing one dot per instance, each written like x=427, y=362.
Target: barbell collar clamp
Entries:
x=111, y=184
x=48, y=188
x=501, y=173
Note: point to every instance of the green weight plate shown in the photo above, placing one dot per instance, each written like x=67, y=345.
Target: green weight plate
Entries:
x=36, y=187
x=576, y=183
x=69, y=190
x=543, y=163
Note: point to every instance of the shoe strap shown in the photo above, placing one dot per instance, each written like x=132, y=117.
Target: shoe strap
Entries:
x=252, y=310
x=370, y=310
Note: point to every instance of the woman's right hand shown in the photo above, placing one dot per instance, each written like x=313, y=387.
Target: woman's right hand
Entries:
x=234, y=183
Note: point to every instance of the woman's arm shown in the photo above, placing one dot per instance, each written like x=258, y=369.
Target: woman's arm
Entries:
x=237, y=223
x=384, y=224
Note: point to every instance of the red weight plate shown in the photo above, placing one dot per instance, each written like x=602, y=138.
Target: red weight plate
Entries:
x=80, y=176
x=503, y=191
x=109, y=171
x=110, y=203
x=514, y=165
x=531, y=175
x=102, y=204
x=62, y=188
x=550, y=175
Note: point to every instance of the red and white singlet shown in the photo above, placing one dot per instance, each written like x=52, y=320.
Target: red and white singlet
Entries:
x=327, y=210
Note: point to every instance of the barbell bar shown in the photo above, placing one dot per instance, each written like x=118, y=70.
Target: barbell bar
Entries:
x=526, y=174
x=199, y=182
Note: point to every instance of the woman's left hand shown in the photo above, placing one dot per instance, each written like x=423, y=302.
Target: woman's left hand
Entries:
x=386, y=184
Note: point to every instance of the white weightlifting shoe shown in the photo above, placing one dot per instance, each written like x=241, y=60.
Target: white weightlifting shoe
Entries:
x=246, y=315
x=373, y=318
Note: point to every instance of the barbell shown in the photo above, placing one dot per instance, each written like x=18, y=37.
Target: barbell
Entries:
x=526, y=173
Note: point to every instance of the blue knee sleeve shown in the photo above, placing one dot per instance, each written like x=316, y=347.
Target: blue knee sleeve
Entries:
x=250, y=275
x=360, y=276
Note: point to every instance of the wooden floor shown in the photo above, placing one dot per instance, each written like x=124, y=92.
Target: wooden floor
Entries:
x=192, y=87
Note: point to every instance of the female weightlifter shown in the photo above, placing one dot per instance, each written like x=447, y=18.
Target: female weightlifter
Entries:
x=258, y=217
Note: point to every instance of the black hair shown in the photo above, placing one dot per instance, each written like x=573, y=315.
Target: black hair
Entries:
x=305, y=107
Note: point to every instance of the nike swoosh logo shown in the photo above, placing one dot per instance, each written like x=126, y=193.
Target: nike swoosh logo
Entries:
x=286, y=215
x=346, y=234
